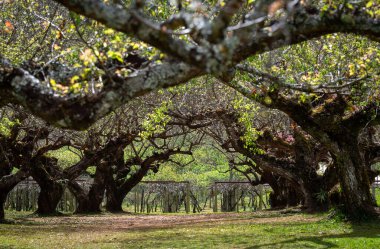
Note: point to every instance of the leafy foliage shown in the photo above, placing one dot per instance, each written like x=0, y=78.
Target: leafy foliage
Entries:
x=247, y=111
x=6, y=125
x=156, y=121
x=209, y=165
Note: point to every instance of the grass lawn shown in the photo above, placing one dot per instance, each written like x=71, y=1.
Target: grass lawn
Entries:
x=267, y=229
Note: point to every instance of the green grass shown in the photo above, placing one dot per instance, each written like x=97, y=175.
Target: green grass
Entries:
x=246, y=230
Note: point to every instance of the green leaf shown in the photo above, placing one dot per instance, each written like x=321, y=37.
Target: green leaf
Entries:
x=115, y=55
x=369, y=4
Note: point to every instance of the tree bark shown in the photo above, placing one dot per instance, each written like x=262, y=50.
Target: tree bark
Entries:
x=46, y=173
x=297, y=178
x=353, y=178
x=116, y=193
x=81, y=197
x=7, y=183
x=90, y=202
x=118, y=189
x=3, y=198
x=283, y=195
x=114, y=202
x=49, y=197
x=4, y=190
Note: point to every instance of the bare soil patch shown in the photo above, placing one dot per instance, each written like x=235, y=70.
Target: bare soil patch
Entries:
x=112, y=222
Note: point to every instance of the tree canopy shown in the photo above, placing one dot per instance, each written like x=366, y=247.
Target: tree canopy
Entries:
x=194, y=39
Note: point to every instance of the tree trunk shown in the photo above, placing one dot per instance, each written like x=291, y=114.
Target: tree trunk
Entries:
x=300, y=185
x=283, y=195
x=300, y=181
x=7, y=182
x=46, y=173
x=5, y=188
x=315, y=201
x=314, y=187
x=117, y=192
x=114, y=202
x=49, y=197
x=81, y=197
x=315, y=193
x=304, y=190
x=91, y=203
x=86, y=204
x=3, y=198
x=115, y=195
x=229, y=200
x=354, y=181
x=95, y=199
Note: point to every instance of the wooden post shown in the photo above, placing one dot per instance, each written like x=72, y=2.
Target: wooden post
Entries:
x=373, y=191
x=162, y=202
x=210, y=200
x=74, y=203
x=215, y=196
x=260, y=197
x=243, y=201
x=6, y=205
x=34, y=199
x=142, y=201
x=136, y=200
x=166, y=201
x=169, y=200
x=175, y=203
x=26, y=196
x=237, y=199
x=23, y=199
x=187, y=198
x=66, y=199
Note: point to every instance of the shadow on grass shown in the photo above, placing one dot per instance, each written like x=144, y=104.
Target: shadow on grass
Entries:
x=369, y=233
x=369, y=230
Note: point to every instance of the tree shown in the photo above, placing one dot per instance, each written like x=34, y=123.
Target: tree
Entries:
x=25, y=142
x=332, y=105
x=124, y=147
x=240, y=126
x=288, y=160
x=294, y=157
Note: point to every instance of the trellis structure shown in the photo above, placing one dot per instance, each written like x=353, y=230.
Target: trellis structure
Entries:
x=375, y=187
x=25, y=195
x=164, y=196
x=238, y=195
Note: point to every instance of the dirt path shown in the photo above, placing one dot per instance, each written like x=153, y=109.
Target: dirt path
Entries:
x=119, y=222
